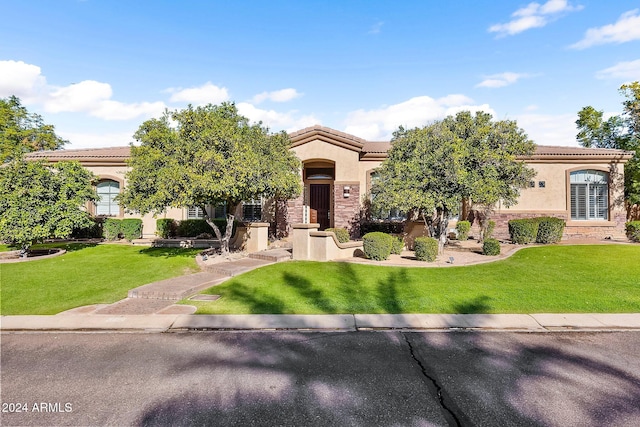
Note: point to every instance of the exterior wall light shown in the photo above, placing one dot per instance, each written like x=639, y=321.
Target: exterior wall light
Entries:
x=346, y=191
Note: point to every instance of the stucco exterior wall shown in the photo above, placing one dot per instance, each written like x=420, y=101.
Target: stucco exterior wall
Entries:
x=346, y=161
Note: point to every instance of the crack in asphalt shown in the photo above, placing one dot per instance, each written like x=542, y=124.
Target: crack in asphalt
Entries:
x=434, y=388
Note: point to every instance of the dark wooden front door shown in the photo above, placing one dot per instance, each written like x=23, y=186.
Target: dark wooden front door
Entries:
x=320, y=202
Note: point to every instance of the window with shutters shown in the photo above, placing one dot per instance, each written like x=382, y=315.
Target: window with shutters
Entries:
x=107, y=191
x=252, y=210
x=589, y=195
x=195, y=212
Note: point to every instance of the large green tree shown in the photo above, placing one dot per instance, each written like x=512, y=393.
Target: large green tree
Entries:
x=619, y=131
x=431, y=170
x=208, y=156
x=39, y=201
x=22, y=132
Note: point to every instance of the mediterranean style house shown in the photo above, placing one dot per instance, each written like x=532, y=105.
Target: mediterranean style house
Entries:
x=583, y=186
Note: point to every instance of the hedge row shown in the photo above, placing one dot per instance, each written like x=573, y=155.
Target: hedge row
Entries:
x=539, y=230
x=168, y=228
x=633, y=230
x=382, y=227
x=129, y=228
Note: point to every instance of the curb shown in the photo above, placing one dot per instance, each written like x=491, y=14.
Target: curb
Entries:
x=544, y=322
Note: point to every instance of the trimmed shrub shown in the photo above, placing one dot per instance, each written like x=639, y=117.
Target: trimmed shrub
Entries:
x=549, y=230
x=463, y=227
x=193, y=227
x=197, y=227
x=166, y=228
x=397, y=245
x=523, y=231
x=633, y=230
x=111, y=229
x=377, y=245
x=387, y=227
x=491, y=247
x=426, y=248
x=93, y=231
x=341, y=234
x=131, y=228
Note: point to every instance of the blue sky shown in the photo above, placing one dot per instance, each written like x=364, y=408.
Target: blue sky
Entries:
x=96, y=69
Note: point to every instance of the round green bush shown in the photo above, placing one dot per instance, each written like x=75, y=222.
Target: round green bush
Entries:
x=341, y=234
x=397, y=245
x=377, y=245
x=549, y=230
x=463, y=227
x=523, y=231
x=633, y=230
x=111, y=229
x=426, y=248
x=491, y=247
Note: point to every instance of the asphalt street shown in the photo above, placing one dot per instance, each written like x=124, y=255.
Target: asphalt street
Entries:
x=388, y=378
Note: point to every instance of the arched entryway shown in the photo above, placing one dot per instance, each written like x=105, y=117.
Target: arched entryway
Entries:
x=319, y=176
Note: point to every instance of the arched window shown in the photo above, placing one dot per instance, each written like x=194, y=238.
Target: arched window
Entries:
x=589, y=195
x=107, y=191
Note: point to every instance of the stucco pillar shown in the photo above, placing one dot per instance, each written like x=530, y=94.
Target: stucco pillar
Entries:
x=302, y=240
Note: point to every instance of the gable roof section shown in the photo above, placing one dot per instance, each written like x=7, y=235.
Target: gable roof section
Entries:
x=331, y=136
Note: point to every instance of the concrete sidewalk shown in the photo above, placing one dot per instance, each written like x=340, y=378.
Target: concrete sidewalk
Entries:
x=337, y=322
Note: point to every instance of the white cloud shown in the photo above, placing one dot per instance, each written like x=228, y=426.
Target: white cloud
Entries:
x=289, y=121
x=208, y=93
x=22, y=80
x=547, y=129
x=533, y=15
x=282, y=95
x=379, y=124
x=77, y=97
x=89, y=96
x=629, y=70
x=501, y=80
x=626, y=28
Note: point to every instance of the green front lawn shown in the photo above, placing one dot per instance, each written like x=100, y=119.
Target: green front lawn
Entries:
x=551, y=279
x=86, y=274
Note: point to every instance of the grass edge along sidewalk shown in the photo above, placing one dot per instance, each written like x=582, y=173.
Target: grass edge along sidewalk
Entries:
x=548, y=279
x=87, y=274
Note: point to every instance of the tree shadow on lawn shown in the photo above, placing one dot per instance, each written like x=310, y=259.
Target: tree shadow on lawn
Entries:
x=170, y=252
x=67, y=246
x=348, y=296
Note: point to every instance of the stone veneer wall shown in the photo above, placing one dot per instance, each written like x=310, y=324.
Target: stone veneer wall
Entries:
x=293, y=214
x=347, y=209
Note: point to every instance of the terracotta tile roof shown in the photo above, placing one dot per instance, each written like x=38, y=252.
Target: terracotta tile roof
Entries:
x=550, y=150
x=110, y=154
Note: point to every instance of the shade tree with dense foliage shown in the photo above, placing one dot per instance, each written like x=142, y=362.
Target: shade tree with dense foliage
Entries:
x=618, y=131
x=208, y=156
x=431, y=170
x=22, y=132
x=40, y=201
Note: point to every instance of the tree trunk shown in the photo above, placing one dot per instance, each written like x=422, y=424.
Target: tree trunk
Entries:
x=222, y=239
